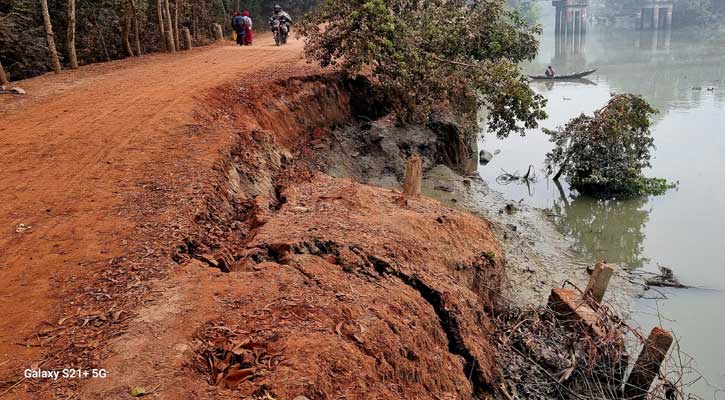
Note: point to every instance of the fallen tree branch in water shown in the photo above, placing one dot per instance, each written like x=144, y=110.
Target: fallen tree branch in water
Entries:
x=666, y=278
x=505, y=178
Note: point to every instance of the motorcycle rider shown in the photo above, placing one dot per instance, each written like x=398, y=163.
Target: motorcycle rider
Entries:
x=283, y=17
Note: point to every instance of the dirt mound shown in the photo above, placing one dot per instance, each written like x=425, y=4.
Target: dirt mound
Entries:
x=329, y=287
x=336, y=287
x=349, y=293
x=357, y=295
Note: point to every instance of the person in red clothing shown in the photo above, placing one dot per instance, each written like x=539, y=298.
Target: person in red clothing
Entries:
x=247, y=28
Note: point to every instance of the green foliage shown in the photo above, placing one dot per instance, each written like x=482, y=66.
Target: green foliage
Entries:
x=433, y=53
x=22, y=47
x=603, y=155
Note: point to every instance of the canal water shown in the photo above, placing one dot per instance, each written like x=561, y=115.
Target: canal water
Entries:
x=682, y=74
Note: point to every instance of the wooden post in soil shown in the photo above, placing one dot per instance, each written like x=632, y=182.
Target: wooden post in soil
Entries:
x=218, y=32
x=413, y=177
x=598, y=282
x=50, y=37
x=187, y=39
x=648, y=364
x=3, y=77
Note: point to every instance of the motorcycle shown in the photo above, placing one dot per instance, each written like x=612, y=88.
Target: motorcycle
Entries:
x=280, y=31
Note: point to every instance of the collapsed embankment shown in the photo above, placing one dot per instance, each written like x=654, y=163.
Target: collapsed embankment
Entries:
x=334, y=287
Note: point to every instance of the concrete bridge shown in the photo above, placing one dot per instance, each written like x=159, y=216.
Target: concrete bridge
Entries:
x=572, y=17
x=655, y=14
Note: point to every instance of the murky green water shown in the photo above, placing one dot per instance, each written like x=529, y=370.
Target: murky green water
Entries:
x=682, y=229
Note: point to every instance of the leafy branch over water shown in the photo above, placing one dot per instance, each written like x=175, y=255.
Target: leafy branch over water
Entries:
x=603, y=155
x=434, y=53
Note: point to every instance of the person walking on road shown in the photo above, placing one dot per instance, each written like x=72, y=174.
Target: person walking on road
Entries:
x=247, y=28
x=238, y=26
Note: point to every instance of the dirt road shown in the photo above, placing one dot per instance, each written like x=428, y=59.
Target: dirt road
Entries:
x=74, y=154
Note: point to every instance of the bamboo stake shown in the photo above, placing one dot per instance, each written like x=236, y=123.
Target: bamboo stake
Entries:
x=413, y=177
x=598, y=282
x=648, y=364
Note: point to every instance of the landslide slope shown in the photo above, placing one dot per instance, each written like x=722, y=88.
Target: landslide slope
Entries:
x=253, y=274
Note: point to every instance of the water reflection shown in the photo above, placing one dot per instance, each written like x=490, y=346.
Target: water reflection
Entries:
x=673, y=70
x=607, y=230
x=570, y=49
x=655, y=39
x=682, y=74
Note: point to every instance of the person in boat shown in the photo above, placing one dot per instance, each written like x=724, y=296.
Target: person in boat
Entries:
x=247, y=21
x=549, y=72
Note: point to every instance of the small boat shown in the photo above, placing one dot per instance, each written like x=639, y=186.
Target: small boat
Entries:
x=578, y=75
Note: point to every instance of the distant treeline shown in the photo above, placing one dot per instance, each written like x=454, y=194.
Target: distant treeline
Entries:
x=113, y=29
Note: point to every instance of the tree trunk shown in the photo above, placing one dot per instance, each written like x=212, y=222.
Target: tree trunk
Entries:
x=170, y=42
x=236, y=5
x=103, y=37
x=162, y=31
x=187, y=39
x=177, y=41
x=50, y=37
x=561, y=168
x=125, y=31
x=195, y=23
x=3, y=77
x=169, y=24
x=218, y=32
x=136, y=28
x=72, y=56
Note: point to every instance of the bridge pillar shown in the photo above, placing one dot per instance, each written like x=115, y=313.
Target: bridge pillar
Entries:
x=655, y=14
x=558, y=21
x=571, y=25
x=668, y=18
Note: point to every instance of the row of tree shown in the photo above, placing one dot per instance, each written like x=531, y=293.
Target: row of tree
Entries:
x=78, y=32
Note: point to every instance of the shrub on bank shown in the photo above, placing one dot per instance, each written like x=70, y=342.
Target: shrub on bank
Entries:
x=604, y=155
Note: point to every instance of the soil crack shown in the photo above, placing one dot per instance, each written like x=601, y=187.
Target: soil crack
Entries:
x=280, y=253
